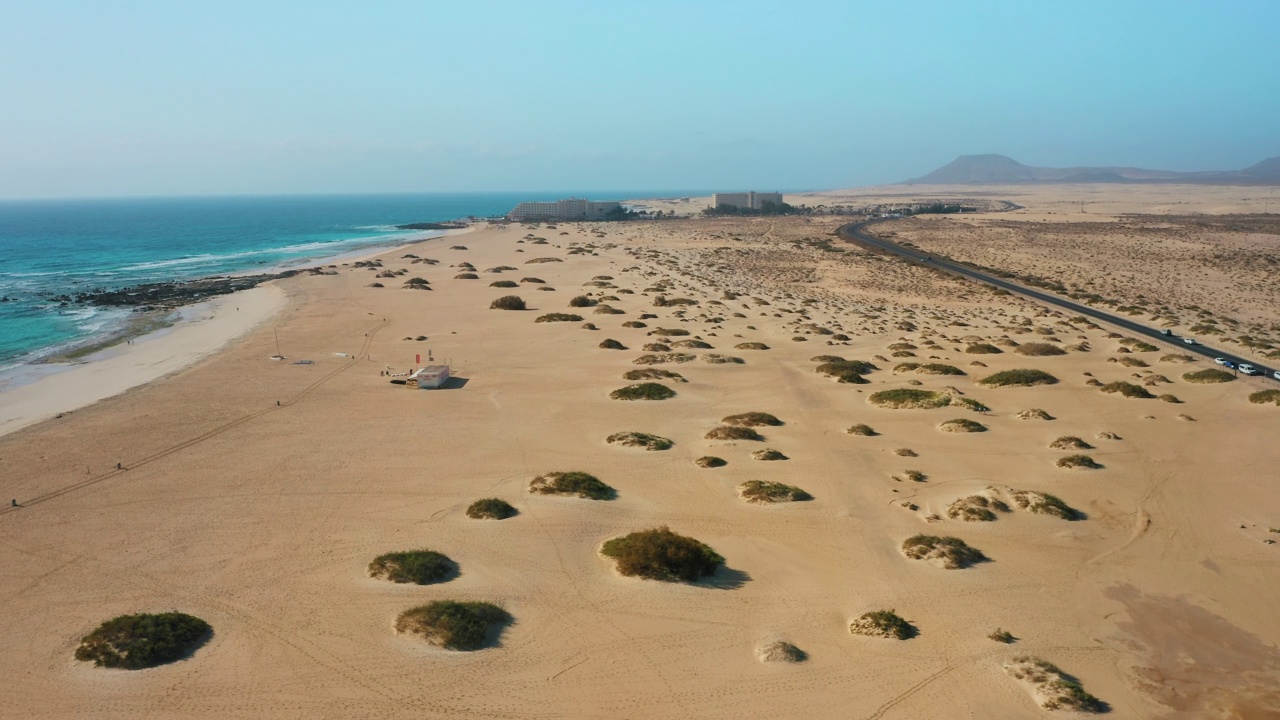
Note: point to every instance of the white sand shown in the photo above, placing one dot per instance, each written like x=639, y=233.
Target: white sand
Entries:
x=206, y=328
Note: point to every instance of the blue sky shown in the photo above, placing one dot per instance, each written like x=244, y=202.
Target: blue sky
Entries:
x=105, y=98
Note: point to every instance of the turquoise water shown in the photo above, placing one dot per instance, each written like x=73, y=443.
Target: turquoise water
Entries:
x=52, y=248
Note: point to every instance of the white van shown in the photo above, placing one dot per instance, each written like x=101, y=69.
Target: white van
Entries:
x=1247, y=369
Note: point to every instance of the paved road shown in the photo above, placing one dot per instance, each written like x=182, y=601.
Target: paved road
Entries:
x=856, y=233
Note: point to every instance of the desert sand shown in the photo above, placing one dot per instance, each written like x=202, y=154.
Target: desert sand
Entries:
x=254, y=493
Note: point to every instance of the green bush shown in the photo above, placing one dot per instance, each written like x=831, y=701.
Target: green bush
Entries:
x=571, y=483
x=883, y=623
x=420, y=567
x=1126, y=389
x=733, y=432
x=559, y=317
x=1263, y=397
x=660, y=554
x=760, y=491
x=652, y=374
x=453, y=625
x=1040, y=350
x=611, y=344
x=639, y=439
x=1044, y=504
x=504, y=284
x=907, y=398
x=769, y=454
x=863, y=430
x=983, y=349
x=952, y=551
x=507, y=302
x=1022, y=378
x=751, y=346
x=710, y=461
x=582, y=301
x=1002, y=636
x=1078, y=461
x=846, y=371
x=643, y=391
x=961, y=425
x=752, y=419
x=490, y=509
x=133, y=642
x=669, y=332
x=1208, y=375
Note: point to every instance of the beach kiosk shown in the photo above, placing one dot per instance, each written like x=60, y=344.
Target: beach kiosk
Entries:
x=431, y=377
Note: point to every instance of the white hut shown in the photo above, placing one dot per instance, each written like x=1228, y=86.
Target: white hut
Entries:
x=431, y=377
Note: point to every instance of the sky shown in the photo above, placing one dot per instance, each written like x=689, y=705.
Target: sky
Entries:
x=102, y=98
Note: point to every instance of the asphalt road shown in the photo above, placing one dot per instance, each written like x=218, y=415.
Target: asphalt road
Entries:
x=855, y=233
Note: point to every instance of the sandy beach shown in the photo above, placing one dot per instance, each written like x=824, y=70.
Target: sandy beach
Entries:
x=254, y=493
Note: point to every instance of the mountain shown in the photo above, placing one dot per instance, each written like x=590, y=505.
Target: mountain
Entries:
x=1002, y=170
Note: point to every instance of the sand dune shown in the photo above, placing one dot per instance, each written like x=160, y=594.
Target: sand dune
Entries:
x=262, y=518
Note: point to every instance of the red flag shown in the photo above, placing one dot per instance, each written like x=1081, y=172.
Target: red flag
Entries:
x=417, y=359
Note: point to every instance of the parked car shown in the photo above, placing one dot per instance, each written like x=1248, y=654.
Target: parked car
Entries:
x=1229, y=364
x=1221, y=360
x=1248, y=369
x=1166, y=332
x=1190, y=341
x=1276, y=374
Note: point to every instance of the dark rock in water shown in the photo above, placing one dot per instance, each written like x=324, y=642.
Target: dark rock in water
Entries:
x=433, y=226
x=169, y=295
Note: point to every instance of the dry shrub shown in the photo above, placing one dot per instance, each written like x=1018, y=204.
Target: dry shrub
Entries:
x=752, y=419
x=952, y=552
x=660, y=554
x=883, y=624
x=733, y=432
x=760, y=491
x=641, y=440
x=1038, y=349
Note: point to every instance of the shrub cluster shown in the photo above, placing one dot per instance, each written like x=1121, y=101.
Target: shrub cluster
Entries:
x=760, y=491
x=907, y=398
x=507, y=302
x=660, y=554
x=1208, y=375
x=733, y=432
x=559, y=317
x=1040, y=350
x=752, y=419
x=490, y=509
x=133, y=642
x=1022, y=378
x=883, y=623
x=571, y=483
x=952, y=551
x=420, y=567
x=643, y=391
x=452, y=624
x=1127, y=389
x=639, y=439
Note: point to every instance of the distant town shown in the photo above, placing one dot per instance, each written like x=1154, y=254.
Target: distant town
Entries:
x=722, y=204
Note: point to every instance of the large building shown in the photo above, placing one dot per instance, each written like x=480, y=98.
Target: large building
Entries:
x=745, y=200
x=568, y=209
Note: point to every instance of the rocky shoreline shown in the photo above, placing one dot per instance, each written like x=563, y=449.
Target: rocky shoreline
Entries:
x=171, y=295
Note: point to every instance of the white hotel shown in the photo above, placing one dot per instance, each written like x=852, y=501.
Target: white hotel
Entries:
x=569, y=209
x=745, y=200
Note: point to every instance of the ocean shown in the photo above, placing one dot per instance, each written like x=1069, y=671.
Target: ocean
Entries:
x=60, y=247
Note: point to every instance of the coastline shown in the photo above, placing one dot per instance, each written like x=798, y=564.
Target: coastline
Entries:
x=154, y=345
x=206, y=328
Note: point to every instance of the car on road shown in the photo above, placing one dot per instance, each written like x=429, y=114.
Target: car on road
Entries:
x=1190, y=341
x=1248, y=369
x=1276, y=374
x=1229, y=364
x=1221, y=360
x=1166, y=332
